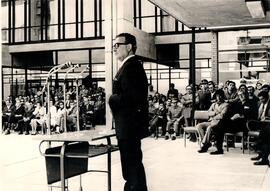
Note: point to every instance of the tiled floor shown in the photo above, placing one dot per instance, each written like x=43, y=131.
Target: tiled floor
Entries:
x=169, y=166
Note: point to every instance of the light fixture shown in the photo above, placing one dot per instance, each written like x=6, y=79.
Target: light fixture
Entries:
x=255, y=8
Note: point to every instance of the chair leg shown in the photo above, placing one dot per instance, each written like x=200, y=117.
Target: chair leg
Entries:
x=185, y=139
x=248, y=144
x=234, y=141
x=226, y=138
x=197, y=138
x=243, y=146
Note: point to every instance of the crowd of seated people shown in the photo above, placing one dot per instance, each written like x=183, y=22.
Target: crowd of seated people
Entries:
x=229, y=108
x=28, y=114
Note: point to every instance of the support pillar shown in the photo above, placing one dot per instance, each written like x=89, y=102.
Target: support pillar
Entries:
x=214, y=52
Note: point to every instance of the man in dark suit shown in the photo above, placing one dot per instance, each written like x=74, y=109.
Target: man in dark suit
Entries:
x=129, y=107
x=263, y=125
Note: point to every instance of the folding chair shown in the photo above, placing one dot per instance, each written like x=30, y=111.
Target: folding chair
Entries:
x=198, y=116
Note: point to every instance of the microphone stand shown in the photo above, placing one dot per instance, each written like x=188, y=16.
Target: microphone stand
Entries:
x=50, y=73
x=77, y=97
x=65, y=106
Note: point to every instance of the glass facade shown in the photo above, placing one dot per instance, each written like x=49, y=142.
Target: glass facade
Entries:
x=241, y=52
x=28, y=21
x=46, y=20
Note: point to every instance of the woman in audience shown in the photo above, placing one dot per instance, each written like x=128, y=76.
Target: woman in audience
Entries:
x=258, y=88
x=187, y=103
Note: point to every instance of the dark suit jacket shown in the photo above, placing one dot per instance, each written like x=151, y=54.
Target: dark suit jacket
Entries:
x=128, y=101
x=267, y=112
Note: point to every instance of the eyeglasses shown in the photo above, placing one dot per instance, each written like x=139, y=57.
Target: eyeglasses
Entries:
x=116, y=45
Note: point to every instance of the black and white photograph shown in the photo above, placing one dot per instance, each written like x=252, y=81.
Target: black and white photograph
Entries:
x=135, y=95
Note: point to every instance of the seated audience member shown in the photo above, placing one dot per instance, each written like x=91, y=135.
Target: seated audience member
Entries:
x=264, y=106
x=92, y=102
x=56, y=102
x=263, y=112
x=204, y=96
x=243, y=88
x=60, y=118
x=251, y=96
x=52, y=91
x=243, y=82
x=231, y=95
x=53, y=116
x=68, y=100
x=87, y=112
x=151, y=90
x=212, y=90
x=244, y=110
x=151, y=109
x=72, y=93
x=172, y=92
x=24, y=123
x=156, y=101
x=218, y=113
x=174, y=116
x=7, y=109
x=72, y=117
x=84, y=92
x=258, y=88
x=266, y=87
x=17, y=113
x=38, y=118
x=163, y=98
x=168, y=103
x=59, y=93
x=39, y=92
x=263, y=146
x=262, y=124
x=159, y=120
x=100, y=110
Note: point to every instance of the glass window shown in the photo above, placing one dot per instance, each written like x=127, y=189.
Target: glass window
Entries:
x=203, y=50
x=148, y=24
x=184, y=51
x=98, y=56
x=148, y=9
x=88, y=10
x=168, y=24
x=79, y=56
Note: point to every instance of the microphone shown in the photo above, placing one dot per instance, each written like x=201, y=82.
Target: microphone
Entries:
x=72, y=68
x=86, y=68
x=56, y=69
x=76, y=66
x=60, y=67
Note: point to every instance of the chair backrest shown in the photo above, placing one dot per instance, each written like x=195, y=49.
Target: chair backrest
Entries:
x=201, y=115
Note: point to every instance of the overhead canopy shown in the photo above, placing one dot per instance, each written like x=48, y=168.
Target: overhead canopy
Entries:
x=218, y=13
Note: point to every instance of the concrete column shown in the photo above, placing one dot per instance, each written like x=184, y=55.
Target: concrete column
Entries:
x=214, y=57
x=119, y=19
x=109, y=61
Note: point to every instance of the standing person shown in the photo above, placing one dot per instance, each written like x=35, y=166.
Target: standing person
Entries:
x=129, y=106
x=172, y=92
